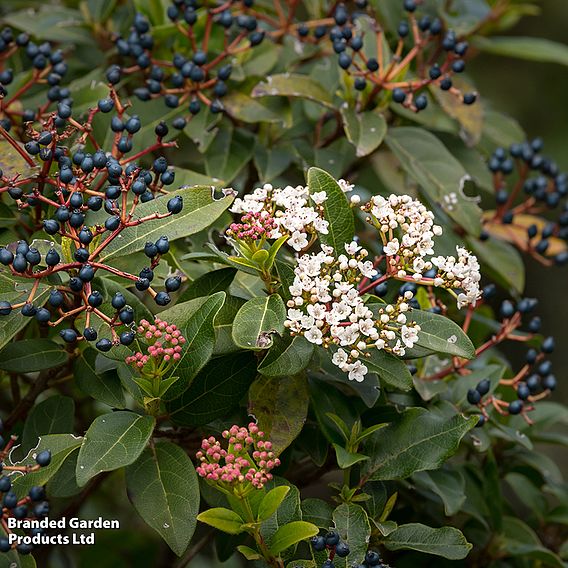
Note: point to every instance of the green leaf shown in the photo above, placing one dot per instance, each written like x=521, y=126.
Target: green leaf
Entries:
x=503, y=261
x=257, y=320
x=31, y=355
x=224, y=326
x=430, y=164
x=163, y=488
x=54, y=415
x=501, y=129
x=50, y=23
x=271, y=501
x=228, y=154
x=223, y=519
x=200, y=209
x=529, y=48
x=352, y=523
x=248, y=552
x=318, y=512
x=417, y=440
x=288, y=511
x=112, y=441
x=392, y=371
x=290, y=534
x=346, y=459
x=208, y=284
x=449, y=485
x=447, y=542
x=280, y=406
x=215, y=390
x=293, y=85
x=442, y=335
x=336, y=210
x=15, y=290
x=287, y=356
x=242, y=107
x=103, y=386
x=195, y=319
x=365, y=130
x=60, y=446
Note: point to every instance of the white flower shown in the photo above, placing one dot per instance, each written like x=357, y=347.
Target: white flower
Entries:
x=319, y=197
x=298, y=241
x=314, y=335
x=409, y=335
x=391, y=248
x=357, y=372
x=339, y=357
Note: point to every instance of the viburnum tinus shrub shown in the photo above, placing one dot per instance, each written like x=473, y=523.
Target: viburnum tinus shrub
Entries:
x=262, y=272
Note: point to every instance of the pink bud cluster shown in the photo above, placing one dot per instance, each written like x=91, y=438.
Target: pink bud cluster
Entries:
x=248, y=458
x=164, y=343
x=253, y=226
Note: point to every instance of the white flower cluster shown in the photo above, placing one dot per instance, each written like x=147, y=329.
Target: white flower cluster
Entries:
x=290, y=209
x=407, y=230
x=327, y=309
x=461, y=272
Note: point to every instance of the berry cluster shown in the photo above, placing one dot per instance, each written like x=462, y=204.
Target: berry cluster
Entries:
x=32, y=506
x=438, y=55
x=66, y=203
x=47, y=68
x=194, y=79
x=332, y=544
x=527, y=186
x=243, y=466
x=198, y=76
x=534, y=381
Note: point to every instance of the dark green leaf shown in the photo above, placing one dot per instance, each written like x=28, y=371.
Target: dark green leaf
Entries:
x=257, y=321
x=287, y=356
x=54, y=415
x=418, y=440
x=228, y=154
x=208, y=284
x=428, y=161
x=442, y=335
x=163, y=488
x=31, y=355
x=112, y=441
x=352, y=523
x=195, y=320
x=449, y=485
x=293, y=85
x=215, y=390
x=447, y=542
x=392, y=371
x=336, y=210
x=60, y=446
x=105, y=386
x=200, y=209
